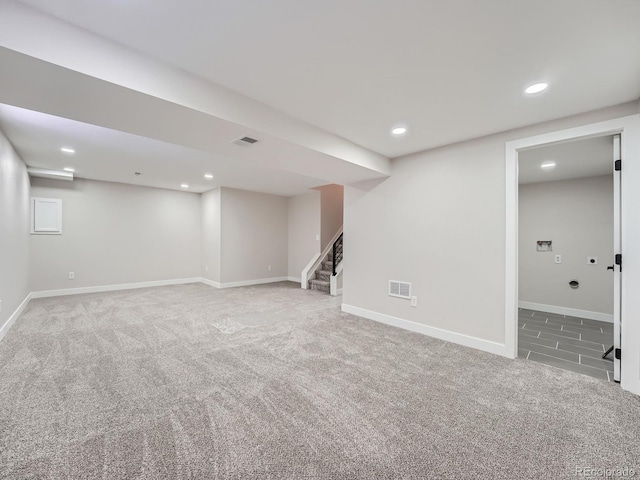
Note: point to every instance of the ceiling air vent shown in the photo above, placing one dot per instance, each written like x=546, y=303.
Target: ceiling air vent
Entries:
x=399, y=289
x=245, y=141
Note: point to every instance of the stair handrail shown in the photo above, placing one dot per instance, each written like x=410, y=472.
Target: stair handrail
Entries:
x=337, y=250
x=310, y=270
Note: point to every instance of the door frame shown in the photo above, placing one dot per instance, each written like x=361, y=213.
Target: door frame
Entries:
x=629, y=129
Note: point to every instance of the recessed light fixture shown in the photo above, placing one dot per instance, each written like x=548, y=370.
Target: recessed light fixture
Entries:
x=548, y=165
x=68, y=150
x=185, y=185
x=208, y=176
x=536, y=88
x=69, y=169
x=399, y=130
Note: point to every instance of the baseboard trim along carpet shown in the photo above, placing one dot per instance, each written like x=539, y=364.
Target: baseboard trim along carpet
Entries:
x=7, y=325
x=460, y=339
x=111, y=288
x=571, y=312
x=258, y=281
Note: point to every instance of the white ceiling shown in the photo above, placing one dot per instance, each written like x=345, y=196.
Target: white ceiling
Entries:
x=111, y=155
x=589, y=157
x=449, y=71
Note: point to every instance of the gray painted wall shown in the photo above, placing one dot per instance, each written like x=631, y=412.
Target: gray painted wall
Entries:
x=304, y=226
x=115, y=233
x=439, y=222
x=210, y=208
x=14, y=230
x=577, y=215
x=254, y=235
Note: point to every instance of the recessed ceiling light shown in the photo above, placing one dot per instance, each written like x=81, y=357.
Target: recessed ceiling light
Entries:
x=548, y=165
x=69, y=169
x=399, y=131
x=208, y=176
x=536, y=88
x=185, y=185
x=68, y=150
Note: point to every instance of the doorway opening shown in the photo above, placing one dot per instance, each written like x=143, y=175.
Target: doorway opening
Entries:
x=627, y=280
x=567, y=215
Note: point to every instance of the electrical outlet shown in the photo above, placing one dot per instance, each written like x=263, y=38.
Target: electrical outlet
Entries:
x=269, y=268
x=592, y=260
x=72, y=276
x=558, y=258
x=414, y=301
x=317, y=237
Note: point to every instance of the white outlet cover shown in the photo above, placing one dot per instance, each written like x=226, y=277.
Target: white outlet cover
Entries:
x=414, y=301
x=558, y=259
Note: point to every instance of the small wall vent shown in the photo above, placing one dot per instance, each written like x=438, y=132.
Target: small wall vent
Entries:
x=399, y=289
x=245, y=141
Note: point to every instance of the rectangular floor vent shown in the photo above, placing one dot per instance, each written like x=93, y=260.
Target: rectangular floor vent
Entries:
x=399, y=289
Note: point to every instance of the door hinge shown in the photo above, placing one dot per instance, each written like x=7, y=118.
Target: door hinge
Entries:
x=618, y=353
x=618, y=165
x=619, y=260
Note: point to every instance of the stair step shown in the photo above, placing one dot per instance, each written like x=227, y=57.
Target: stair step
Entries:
x=315, y=281
x=324, y=272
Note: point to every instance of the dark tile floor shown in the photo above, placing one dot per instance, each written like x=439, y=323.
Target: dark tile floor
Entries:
x=571, y=343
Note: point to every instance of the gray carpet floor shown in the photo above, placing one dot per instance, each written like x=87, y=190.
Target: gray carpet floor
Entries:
x=275, y=382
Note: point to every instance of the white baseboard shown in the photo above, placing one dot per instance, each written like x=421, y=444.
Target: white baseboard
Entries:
x=259, y=281
x=466, y=340
x=111, y=288
x=294, y=279
x=571, y=312
x=211, y=283
x=7, y=325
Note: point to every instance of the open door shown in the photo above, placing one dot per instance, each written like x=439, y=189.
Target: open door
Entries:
x=617, y=250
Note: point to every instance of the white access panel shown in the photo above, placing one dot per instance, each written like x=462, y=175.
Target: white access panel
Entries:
x=46, y=216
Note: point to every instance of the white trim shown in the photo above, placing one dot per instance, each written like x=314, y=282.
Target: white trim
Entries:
x=629, y=127
x=211, y=283
x=311, y=267
x=460, y=339
x=294, y=279
x=259, y=281
x=339, y=292
x=572, y=312
x=7, y=325
x=111, y=288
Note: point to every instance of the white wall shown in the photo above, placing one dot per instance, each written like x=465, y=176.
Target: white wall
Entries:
x=14, y=230
x=210, y=210
x=115, y=233
x=254, y=235
x=332, y=216
x=577, y=215
x=304, y=228
x=439, y=222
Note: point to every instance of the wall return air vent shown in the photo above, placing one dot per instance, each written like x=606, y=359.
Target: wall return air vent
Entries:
x=399, y=289
x=245, y=141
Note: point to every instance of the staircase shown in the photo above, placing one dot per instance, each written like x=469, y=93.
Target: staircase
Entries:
x=322, y=282
x=328, y=268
